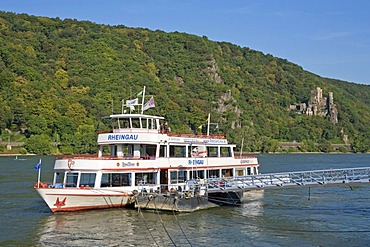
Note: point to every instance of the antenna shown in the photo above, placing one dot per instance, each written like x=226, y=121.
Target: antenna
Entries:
x=241, y=148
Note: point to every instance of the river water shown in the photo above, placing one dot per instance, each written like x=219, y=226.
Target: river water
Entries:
x=318, y=216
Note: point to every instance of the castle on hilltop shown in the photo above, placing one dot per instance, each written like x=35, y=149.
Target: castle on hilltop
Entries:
x=318, y=106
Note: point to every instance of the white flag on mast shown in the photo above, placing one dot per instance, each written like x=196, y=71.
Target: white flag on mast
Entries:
x=149, y=104
x=132, y=102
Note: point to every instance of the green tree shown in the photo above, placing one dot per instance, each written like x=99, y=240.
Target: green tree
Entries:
x=325, y=146
x=309, y=146
x=85, y=139
x=360, y=144
x=39, y=144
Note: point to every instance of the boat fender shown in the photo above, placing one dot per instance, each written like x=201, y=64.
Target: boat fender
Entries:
x=38, y=185
x=137, y=164
x=117, y=164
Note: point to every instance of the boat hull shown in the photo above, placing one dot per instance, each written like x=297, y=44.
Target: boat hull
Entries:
x=234, y=198
x=60, y=200
x=177, y=203
x=226, y=198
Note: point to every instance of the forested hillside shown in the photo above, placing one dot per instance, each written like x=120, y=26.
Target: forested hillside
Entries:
x=59, y=78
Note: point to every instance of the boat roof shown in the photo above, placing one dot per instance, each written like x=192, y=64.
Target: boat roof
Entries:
x=130, y=115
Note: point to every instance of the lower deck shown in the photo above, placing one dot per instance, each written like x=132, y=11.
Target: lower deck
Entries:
x=154, y=180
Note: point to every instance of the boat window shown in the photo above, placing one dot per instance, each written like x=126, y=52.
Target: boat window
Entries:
x=239, y=172
x=88, y=179
x=128, y=150
x=143, y=178
x=177, y=151
x=212, y=151
x=213, y=173
x=227, y=172
x=155, y=124
x=71, y=179
x=115, y=179
x=225, y=152
x=59, y=177
x=249, y=171
x=144, y=123
x=197, y=151
x=255, y=170
x=107, y=150
x=197, y=174
x=192, y=151
x=178, y=177
x=135, y=122
x=162, y=151
x=115, y=125
x=148, y=150
x=124, y=123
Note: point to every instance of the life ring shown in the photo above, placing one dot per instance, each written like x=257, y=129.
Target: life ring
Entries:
x=69, y=163
x=219, y=184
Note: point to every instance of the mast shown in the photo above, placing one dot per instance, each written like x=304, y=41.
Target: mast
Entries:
x=209, y=120
x=142, y=102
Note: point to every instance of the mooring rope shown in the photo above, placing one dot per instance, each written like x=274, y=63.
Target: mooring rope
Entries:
x=146, y=225
x=164, y=227
x=178, y=223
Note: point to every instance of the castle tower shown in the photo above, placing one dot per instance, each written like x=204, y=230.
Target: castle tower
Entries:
x=330, y=98
x=319, y=93
x=316, y=95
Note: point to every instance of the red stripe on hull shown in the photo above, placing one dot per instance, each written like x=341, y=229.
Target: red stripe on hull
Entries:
x=79, y=208
x=91, y=195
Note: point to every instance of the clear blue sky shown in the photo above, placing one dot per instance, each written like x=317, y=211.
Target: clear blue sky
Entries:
x=330, y=38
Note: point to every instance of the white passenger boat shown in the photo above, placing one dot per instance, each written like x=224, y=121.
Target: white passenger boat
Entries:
x=140, y=155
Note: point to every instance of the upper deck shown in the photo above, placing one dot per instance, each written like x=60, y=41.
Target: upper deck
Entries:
x=136, y=123
x=136, y=128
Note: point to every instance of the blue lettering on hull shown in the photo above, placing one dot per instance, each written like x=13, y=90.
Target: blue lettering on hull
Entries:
x=196, y=162
x=122, y=137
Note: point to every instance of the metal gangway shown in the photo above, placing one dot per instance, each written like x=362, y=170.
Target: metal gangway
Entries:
x=290, y=179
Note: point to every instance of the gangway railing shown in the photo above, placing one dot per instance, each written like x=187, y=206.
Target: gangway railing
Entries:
x=302, y=178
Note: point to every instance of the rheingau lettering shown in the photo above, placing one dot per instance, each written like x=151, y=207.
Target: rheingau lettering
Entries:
x=196, y=162
x=122, y=137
